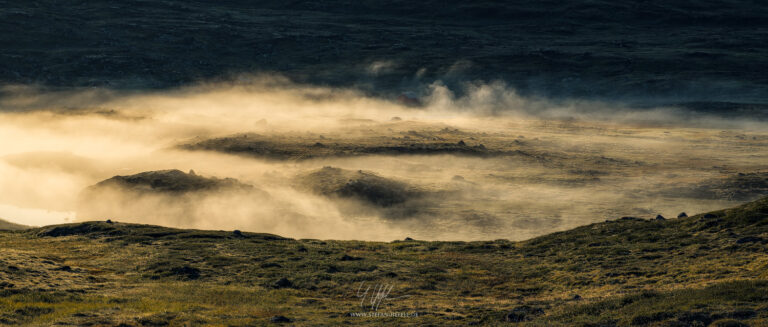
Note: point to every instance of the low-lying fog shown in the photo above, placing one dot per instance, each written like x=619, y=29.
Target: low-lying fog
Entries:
x=485, y=166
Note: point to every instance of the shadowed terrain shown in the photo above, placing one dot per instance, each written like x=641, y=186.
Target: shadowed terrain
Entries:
x=365, y=186
x=705, y=55
x=285, y=148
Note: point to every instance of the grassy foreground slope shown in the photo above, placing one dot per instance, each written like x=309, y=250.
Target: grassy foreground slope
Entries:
x=705, y=270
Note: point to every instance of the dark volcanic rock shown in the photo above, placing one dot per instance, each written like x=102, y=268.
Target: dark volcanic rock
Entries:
x=279, y=319
x=695, y=319
x=523, y=313
x=270, y=265
x=283, y=283
x=186, y=272
x=349, y=258
x=751, y=239
x=729, y=323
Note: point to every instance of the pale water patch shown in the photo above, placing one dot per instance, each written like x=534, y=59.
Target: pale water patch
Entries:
x=34, y=216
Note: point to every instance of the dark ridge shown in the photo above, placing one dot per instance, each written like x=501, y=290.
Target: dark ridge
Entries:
x=139, y=232
x=275, y=149
x=716, y=229
x=173, y=180
x=696, y=50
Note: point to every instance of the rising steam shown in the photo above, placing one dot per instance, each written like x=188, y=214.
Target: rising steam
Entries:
x=548, y=165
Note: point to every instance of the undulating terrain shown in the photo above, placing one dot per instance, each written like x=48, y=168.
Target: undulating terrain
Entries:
x=704, y=270
x=325, y=163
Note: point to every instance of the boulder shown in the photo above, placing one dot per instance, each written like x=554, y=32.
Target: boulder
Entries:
x=283, y=283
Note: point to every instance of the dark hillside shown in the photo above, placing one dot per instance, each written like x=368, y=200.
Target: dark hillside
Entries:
x=675, y=51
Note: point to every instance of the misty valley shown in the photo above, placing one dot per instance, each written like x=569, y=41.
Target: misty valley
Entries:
x=312, y=162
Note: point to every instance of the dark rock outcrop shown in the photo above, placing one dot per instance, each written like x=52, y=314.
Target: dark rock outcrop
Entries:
x=361, y=185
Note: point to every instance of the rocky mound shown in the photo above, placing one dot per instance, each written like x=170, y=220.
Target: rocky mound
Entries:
x=172, y=180
x=361, y=185
x=169, y=196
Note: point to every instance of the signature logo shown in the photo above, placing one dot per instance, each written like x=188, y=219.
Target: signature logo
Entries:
x=373, y=297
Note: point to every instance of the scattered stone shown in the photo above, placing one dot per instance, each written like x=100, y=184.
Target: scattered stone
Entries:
x=32, y=311
x=349, y=258
x=523, y=313
x=577, y=297
x=743, y=314
x=682, y=215
x=186, y=272
x=695, y=319
x=750, y=239
x=408, y=239
x=729, y=323
x=279, y=319
x=302, y=249
x=660, y=217
x=283, y=283
x=709, y=216
x=461, y=143
x=396, y=118
x=238, y=233
x=270, y=265
x=109, y=221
